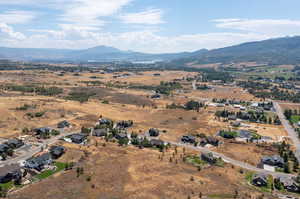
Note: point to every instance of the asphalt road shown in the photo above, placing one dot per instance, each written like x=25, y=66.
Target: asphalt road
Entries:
x=291, y=132
x=34, y=149
x=194, y=85
x=232, y=161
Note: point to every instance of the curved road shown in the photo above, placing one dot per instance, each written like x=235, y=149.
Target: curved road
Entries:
x=241, y=164
x=34, y=150
x=232, y=161
x=291, y=132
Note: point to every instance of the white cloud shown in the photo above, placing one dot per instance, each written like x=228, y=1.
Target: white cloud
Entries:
x=142, y=41
x=17, y=17
x=88, y=32
x=7, y=32
x=152, y=17
x=281, y=27
x=19, y=2
x=36, y=3
x=84, y=12
x=88, y=12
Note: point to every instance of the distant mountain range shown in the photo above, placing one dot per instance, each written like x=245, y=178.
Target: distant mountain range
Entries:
x=273, y=51
x=97, y=54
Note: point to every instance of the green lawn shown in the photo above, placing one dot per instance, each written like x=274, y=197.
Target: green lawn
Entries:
x=295, y=118
x=7, y=186
x=249, y=176
x=195, y=160
x=45, y=174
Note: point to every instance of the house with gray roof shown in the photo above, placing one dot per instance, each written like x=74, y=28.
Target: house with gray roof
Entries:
x=38, y=162
x=289, y=184
x=100, y=132
x=274, y=160
x=260, y=180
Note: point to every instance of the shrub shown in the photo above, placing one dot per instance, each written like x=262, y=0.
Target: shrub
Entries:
x=105, y=102
x=228, y=134
x=80, y=96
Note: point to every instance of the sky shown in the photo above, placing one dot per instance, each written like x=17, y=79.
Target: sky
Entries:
x=151, y=26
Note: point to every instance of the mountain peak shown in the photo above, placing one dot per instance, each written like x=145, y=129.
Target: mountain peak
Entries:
x=103, y=49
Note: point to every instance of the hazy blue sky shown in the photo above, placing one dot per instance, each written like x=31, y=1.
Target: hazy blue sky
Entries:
x=145, y=25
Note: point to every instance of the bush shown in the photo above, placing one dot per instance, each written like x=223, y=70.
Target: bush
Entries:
x=55, y=132
x=25, y=107
x=105, y=102
x=228, y=134
x=51, y=91
x=193, y=105
x=80, y=96
x=39, y=114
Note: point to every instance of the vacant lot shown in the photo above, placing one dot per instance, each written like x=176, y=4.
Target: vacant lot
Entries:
x=117, y=172
x=221, y=92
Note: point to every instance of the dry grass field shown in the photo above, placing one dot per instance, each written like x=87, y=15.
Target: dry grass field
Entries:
x=221, y=92
x=117, y=172
x=131, y=173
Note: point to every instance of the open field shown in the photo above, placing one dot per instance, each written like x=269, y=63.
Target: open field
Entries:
x=118, y=172
x=221, y=92
x=133, y=173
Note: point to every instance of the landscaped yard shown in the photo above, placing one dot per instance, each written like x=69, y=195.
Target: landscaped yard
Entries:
x=45, y=174
x=7, y=186
x=295, y=119
x=195, y=160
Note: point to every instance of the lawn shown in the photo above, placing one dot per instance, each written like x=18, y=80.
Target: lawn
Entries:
x=7, y=186
x=45, y=174
x=195, y=160
x=295, y=119
x=249, y=176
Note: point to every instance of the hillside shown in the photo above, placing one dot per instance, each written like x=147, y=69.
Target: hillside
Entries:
x=99, y=53
x=274, y=51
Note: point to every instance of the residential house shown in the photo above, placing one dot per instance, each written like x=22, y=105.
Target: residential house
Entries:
x=157, y=143
x=208, y=157
x=153, y=132
x=121, y=135
x=4, y=148
x=264, y=139
x=42, y=130
x=78, y=138
x=210, y=140
x=232, y=117
x=100, y=132
x=260, y=180
x=124, y=124
x=289, y=184
x=274, y=160
x=104, y=121
x=242, y=108
x=10, y=172
x=57, y=151
x=188, y=139
x=15, y=143
x=63, y=124
x=39, y=162
x=155, y=96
